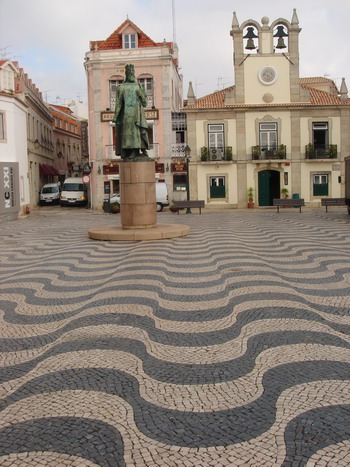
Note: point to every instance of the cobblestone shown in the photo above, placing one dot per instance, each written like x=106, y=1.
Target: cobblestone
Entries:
x=228, y=347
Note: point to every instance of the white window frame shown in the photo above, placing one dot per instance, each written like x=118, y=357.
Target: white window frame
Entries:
x=2, y=127
x=147, y=84
x=216, y=141
x=112, y=89
x=268, y=131
x=129, y=41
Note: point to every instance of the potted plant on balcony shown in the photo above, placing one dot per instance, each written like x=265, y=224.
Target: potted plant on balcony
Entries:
x=255, y=152
x=250, y=197
x=228, y=153
x=333, y=150
x=204, y=153
x=281, y=152
x=309, y=151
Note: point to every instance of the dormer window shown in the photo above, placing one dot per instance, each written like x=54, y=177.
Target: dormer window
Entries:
x=129, y=41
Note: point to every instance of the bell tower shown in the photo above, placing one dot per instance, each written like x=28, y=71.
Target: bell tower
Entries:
x=266, y=60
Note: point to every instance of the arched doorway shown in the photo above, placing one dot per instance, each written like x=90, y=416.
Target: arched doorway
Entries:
x=269, y=186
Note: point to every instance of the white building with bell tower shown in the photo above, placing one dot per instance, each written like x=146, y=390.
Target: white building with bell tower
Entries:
x=273, y=131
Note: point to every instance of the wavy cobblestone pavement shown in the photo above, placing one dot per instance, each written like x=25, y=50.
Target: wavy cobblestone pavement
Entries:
x=228, y=347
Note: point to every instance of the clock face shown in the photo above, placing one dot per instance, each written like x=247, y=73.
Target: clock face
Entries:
x=267, y=75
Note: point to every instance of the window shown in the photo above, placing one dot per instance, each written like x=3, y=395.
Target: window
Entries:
x=180, y=182
x=147, y=84
x=268, y=136
x=8, y=81
x=179, y=126
x=320, y=135
x=217, y=187
x=129, y=41
x=2, y=127
x=216, y=142
x=320, y=185
x=113, y=84
x=28, y=126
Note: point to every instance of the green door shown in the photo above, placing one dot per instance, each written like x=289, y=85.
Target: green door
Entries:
x=269, y=187
x=264, y=188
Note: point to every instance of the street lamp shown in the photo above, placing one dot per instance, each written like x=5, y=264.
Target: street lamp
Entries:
x=187, y=151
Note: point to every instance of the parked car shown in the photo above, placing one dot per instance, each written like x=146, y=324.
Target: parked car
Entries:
x=162, y=198
x=74, y=192
x=50, y=194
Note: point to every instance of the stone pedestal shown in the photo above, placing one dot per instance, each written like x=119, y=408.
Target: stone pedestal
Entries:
x=138, y=209
x=138, y=195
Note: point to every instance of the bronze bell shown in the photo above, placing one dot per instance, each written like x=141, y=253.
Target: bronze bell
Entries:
x=280, y=34
x=250, y=35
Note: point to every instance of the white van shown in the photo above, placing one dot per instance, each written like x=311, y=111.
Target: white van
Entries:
x=74, y=192
x=50, y=194
x=162, y=198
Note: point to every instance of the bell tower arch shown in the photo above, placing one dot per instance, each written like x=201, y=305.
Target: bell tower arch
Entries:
x=266, y=60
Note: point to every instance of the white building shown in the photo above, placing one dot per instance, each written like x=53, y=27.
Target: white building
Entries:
x=13, y=138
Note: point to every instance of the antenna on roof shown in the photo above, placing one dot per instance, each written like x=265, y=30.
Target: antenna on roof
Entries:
x=3, y=52
x=174, y=21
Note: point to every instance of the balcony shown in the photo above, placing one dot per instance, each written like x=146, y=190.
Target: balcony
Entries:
x=260, y=153
x=153, y=151
x=216, y=154
x=326, y=151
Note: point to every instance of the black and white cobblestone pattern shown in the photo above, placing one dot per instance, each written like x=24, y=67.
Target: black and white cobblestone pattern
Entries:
x=230, y=346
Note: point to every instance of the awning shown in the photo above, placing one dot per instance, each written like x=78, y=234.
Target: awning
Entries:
x=46, y=169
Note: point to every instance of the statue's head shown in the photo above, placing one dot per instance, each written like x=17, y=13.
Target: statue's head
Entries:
x=129, y=73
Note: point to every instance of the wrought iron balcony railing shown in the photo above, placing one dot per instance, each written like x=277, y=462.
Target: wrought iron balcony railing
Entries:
x=265, y=152
x=216, y=154
x=178, y=150
x=326, y=151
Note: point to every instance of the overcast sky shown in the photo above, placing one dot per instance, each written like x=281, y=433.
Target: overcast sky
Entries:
x=49, y=38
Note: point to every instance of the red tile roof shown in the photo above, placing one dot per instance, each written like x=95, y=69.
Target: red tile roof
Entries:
x=216, y=100
x=114, y=41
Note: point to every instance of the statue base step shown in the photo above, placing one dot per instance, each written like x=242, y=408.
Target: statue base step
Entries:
x=159, y=232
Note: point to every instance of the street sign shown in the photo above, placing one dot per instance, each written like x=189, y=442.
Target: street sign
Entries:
x=86, y=179
x=86, y=169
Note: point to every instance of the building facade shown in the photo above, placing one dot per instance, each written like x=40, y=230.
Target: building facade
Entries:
x=273, y=132
x=39, y=133
x=39, y=143
x=13, y=143
x=67, y=138
x=156, y=68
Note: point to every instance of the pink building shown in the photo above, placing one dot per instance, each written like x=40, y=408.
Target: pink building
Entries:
x=156, y=67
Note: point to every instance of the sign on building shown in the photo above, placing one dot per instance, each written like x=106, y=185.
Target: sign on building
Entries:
x=9, y=187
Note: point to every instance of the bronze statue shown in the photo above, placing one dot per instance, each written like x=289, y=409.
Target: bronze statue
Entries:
x=130, y=119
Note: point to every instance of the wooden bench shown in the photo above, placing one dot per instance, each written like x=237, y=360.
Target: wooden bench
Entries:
x=333, y=202
x=189, y=204
x=294, y=203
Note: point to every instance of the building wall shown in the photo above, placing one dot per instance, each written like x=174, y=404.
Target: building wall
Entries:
x=101, y=66
x=255, y=91
x=14, y=147
x=279, y=97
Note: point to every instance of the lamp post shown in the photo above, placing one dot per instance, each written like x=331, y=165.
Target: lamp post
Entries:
x=188, y=157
